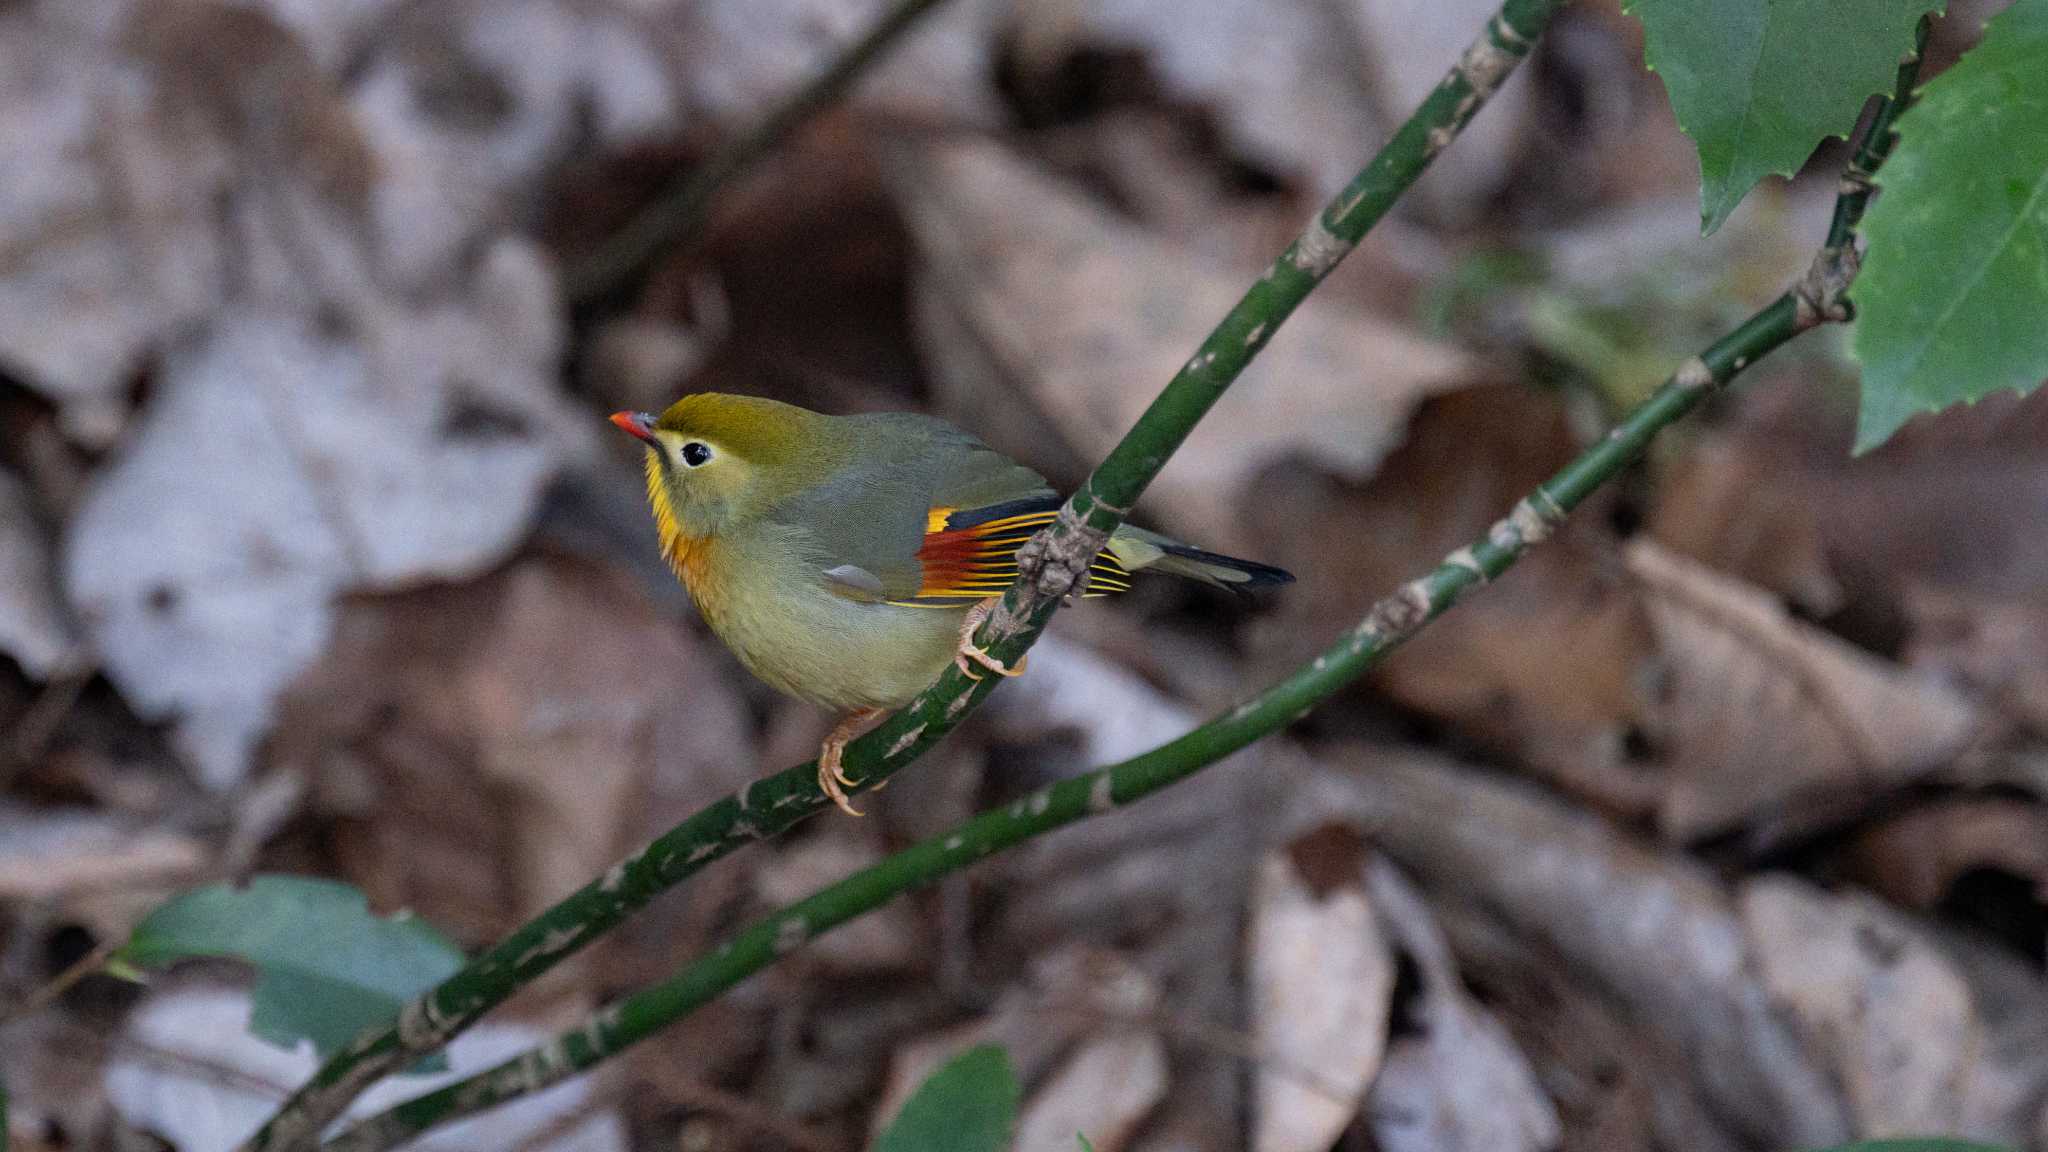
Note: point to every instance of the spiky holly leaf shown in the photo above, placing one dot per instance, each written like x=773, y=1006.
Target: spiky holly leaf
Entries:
x=1758, y=83
x=1955, y=276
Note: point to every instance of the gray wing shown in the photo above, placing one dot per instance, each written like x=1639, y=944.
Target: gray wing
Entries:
x=868, y=522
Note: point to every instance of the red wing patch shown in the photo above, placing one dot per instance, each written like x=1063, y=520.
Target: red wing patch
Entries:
x=964, y=564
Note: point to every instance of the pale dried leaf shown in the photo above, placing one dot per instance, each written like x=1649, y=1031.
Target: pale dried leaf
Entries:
x=202, y=1111
x=1104, y=1091
x=1760, y=711
x=33, y=629
x=1322, y=978
x=1890, y=1013
x=1653, y=930
x=1090, y=316
x=48, y=855
x=281, y=464
x=1284, y=79
x=107, y=215
x=1461, y=1085
x=466, y=112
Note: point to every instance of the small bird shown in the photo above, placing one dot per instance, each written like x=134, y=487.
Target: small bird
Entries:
x=846, y=560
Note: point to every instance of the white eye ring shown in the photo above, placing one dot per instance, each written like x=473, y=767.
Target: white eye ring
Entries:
x=696, y=454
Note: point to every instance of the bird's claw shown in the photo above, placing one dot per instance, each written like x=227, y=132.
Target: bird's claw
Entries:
x=832, y=778
x=968, y=652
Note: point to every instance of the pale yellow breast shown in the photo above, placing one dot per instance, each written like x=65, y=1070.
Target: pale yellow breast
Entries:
x=766, y=603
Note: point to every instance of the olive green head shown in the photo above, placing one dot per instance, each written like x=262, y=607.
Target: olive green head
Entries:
x=715, y=460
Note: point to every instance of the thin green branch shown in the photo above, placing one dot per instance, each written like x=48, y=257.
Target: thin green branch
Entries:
x=1051, y=562
x=1390, y=622
x=1877, y=142
x=679, y=209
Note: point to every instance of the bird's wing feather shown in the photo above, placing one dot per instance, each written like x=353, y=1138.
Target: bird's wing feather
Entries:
x=970, y=554
x=924, y=515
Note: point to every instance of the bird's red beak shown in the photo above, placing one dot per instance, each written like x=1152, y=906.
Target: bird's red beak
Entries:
x=638, y=425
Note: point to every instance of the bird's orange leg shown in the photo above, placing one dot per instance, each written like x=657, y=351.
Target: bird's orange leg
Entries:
x=832, y=780
x=975, y=616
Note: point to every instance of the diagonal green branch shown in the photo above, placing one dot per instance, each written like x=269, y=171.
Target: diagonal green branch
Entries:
x=772, y=804
x=1390, y=622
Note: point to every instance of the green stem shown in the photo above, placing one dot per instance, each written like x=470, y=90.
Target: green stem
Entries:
x=1390, y=622
x=679, y=209
x=774, y=803
x=1877, y=142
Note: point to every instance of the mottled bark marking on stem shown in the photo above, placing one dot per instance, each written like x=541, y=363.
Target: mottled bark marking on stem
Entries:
x=1319, y=249
x=1693, y=376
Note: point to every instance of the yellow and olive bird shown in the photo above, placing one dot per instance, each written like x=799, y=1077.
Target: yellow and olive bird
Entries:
x=846, y=560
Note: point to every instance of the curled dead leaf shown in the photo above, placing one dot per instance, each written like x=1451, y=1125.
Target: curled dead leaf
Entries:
x=1651, y=929
x=1322, y=977
x=1458, y=1084
x=1893, y=1016
x=1757, y=711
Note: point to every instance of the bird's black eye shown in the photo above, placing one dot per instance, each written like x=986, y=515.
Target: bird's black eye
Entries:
x=696, y=452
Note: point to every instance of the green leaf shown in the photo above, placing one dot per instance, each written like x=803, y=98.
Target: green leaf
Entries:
x=1955, y=280
x=1085, y=1145
x=327, y=968
x=1758, y=83
x=970, y=1105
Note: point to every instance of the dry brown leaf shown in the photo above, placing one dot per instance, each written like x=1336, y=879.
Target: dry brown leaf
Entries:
x=1915, y=859
x=1321, y=980
x=1103, y=1091
x=1892, y=1015
x=1652, y=930
x=1720, y=505
x=1993, y=643
x=1911, y=517
x=1541, y=667
x=1461, y=1085
x=1758, y=711
x=1089, y=316
x=33, y=629
x=494, y=745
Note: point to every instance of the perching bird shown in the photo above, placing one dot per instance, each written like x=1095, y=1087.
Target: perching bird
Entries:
x=848, y=559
